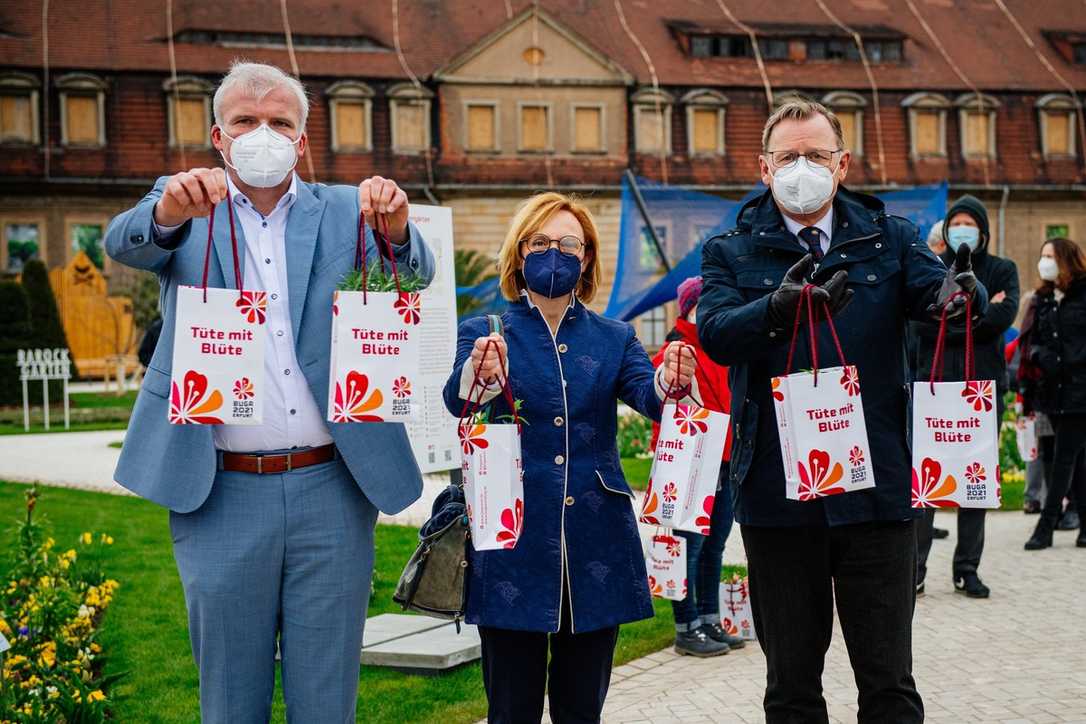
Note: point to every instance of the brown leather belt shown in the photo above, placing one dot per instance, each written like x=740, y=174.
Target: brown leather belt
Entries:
x=277, y=462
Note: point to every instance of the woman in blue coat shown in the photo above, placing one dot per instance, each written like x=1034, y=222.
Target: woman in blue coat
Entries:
x=578, y=569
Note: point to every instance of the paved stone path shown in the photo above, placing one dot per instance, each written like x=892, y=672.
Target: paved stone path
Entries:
x=1019, y=656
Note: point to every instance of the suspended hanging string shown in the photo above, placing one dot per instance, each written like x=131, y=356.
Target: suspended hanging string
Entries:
x=179, y=132
x=754, y=46
x=45, y=78
x=1051, y=69
x=655, y=87
x=297, y=74
x=535, y=76
x=418, y=86
x=957, y=71
x=871, y=82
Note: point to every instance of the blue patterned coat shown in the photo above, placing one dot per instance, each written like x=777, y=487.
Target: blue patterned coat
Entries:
x=578, y=512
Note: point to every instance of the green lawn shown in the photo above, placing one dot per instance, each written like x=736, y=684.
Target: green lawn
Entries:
x=89, y=411
x=145, y=634
x=104, y=399
x=637, y=472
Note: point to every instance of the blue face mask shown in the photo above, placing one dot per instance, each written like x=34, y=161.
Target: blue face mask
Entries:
x=552, y=273
x=958, y=235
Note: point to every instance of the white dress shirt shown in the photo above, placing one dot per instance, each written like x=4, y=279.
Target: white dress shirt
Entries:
x=291, y=416
x=824, y=226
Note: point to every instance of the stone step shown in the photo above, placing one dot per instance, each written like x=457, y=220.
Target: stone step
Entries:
x=418, y=644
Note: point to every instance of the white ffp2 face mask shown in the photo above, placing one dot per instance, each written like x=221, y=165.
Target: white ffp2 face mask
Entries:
x=803, y=187
x=262, y=157
x=1048, y=269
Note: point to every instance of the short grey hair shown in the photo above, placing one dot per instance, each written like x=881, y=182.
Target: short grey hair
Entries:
x=798, y=108
x=258, y=80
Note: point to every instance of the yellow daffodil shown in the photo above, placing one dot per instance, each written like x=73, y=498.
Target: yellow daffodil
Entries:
x=107, y=539
x=4, y=628
x=48, y=655
x=86, y=539
x=96, y=695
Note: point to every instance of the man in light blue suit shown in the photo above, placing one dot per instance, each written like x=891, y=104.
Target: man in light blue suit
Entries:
x=272, y=525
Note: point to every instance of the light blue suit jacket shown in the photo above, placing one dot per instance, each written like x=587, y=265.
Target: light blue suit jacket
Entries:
x=175, y=465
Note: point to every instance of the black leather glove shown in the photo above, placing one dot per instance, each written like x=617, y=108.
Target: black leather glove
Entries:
x=784, y=302
x=959, y=278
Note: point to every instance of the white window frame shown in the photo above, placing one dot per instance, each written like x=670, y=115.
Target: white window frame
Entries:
x=466, y=131
x=353, y=92
x=189, y=88
x=969, y=103
x=82, y=84
x=926, y=102
x=521, y=105
x=842, y=102
x=702, y=99
x=1054, y=104
x=32, y=219
x=408, y=95
x=651, y=101
x=573, y=108
x=23, y=84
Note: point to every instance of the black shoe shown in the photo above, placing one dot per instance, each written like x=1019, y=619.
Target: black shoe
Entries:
x=717, y=633
x=1080, y=542
x=696, y=643
x=1042, y=535
x=971, y=585
x=1069, y=521
x=939, y=533
x=920, y=589
x=1032, y=507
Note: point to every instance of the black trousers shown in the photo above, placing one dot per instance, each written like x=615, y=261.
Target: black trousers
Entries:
x=968, y=549
x=795, y=576
x=515, y=674
x=1065, y=470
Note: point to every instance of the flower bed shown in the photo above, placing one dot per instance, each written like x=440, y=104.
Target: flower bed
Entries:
x=51, y=609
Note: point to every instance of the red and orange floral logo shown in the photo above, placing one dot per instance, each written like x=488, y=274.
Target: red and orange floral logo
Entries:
x=930, y=490
x=650, y=506
x=850, y=381
x=671, y=492
x=819, y=478
x=979, y=395
x=777, y=394
x=703, y=522
x=472, y=438
x=243, y=389
x=351, y=403
x=674, y=546
x=409, y=305
x=253, y=306
x=191, y=404
x=693, y=420
x=655, y=588
x=856, y=456
x=401, y=387
x=512, y=520
x=975, y=473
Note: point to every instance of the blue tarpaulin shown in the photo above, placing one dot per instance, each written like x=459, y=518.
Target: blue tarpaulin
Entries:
x=488, y=296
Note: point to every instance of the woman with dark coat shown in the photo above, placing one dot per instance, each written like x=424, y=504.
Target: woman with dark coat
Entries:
x=1053, y=378
x=577, y=571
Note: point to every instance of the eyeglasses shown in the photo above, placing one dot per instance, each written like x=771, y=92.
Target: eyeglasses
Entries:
x=819, y=157
x=540, y=243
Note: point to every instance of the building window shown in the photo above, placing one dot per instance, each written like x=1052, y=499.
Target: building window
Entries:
x=481, y=128
x=705, y=122
x=1079, y=51
x=410, y=109
x=653, y=327
x=22, y=242
x=188, y=103
x=1057, y=231
x=701, y=46
x=350, y=106
x=649, y=257
x=652, y=121
x=588, y=133
x=19, y=109
x=927, y=124
x=977, y=119
x=88, y=238
x=534, y=130
x=849, y=109
x=1056, y=115
x=82, y=110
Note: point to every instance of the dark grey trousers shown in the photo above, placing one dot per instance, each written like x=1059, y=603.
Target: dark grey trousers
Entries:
x=968, y=549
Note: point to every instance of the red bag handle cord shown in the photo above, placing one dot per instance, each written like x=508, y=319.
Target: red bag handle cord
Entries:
x=940, y=342
x=387, y=238
x=360, y=261
x=673, y=391
x=812, y=326
x=233, y=245
x=477, y=382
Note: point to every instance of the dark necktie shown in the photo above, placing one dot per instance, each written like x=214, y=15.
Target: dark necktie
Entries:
x=809, y=235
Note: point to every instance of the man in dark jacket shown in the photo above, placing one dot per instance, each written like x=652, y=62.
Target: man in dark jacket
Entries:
x=967, y=222
x=857, y=548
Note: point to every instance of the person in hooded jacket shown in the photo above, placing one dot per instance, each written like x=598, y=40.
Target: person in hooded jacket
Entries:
x=1052, y=376
x=967, y=223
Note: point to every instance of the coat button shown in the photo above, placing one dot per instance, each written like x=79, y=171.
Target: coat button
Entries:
x=878, y=244
x=844, y=255
x=871, y=277
x=768, y=282
x=772, y=334
x=559, y=459
x=558, y=422
x=844, y=224
x=569, y=500
x=562, y=347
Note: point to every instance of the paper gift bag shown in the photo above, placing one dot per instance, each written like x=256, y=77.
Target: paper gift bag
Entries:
x=217, y=375
x=682, y=484
x=374, y=354
x=1025, y=429
x=821, y=426
x=493, y=471
x=736, y=615
x=955, y=436
x=666, y=564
